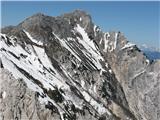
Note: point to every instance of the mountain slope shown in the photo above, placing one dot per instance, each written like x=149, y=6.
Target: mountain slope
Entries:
x=75, y=70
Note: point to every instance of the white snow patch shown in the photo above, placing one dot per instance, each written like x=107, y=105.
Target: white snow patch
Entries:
x=82, y=83
x=91, y=54
x=85, y=36
x=94, y=88
x=66, y=45
x=100, y=42
x=32, y=39
x=3, y=36
x=102, y=70
x=9, y=65
x=3, y=94
x=115, y=42
x=106, y=41
x=98, y=29
x=99, y=107
x=106, y=64
x=110, y=70
x=17, y=50
x=90, y=51
x=128, y=45
x=70, y=39
x=43, y=57
x=69, y=21
x=129, y=118
x=147, y=61
x=95, y=30
x=31, y=65
x=86, y=96
x=80, y=19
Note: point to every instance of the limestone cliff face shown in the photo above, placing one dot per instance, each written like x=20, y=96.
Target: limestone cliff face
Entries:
x=66, y=68
x=138, y=77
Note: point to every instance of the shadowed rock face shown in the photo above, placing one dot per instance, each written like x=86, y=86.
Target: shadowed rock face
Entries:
x=71, y=70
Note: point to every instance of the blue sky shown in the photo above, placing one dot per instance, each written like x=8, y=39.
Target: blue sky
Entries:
x=139, y=21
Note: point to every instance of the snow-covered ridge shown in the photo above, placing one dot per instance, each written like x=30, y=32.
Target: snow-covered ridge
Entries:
x=34, y=63
x=34, y=66
x=32, y=39
x=90, y=51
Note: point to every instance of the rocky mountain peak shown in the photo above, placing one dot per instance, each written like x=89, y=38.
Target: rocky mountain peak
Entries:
x=75, y=71
x=41, y=26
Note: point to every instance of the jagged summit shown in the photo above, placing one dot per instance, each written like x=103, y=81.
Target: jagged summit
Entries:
x=39, y=14
x=67, y=68
x=76, y=12
x=41, y=26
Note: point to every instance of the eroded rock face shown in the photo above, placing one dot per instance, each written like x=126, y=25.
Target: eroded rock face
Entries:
x=66, y=68
x=19, y=102
x=139, y=78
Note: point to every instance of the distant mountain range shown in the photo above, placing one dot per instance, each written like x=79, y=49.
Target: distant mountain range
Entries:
x=151, y=52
